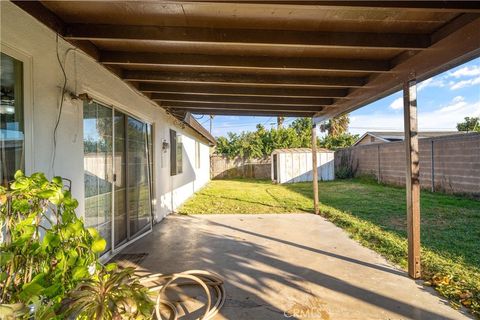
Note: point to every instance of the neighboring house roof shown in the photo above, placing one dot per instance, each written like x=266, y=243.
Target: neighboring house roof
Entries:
x=299, y=150
x=390, y=136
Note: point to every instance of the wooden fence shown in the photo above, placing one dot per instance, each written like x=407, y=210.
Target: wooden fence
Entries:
x=225, y=168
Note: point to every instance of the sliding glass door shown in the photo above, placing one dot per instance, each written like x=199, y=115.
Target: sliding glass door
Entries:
x=120, y=207
x=118, y=168
x=98, y=166
x=139, y=205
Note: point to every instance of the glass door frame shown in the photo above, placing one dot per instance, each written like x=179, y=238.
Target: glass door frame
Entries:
x=149, y=227
x=151, y=181
x=27, y=87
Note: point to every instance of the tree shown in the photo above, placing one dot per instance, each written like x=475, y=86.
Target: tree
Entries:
x=470, y=124
x=262, y=142
x=340, y=141
x=337, y=126
x=303, y=129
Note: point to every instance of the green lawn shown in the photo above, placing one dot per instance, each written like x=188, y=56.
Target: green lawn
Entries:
x=374, y=215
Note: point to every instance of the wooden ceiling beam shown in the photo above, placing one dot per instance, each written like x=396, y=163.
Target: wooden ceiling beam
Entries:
x=253, y=112
x=242, y=79
x=430, y=6
x=52, y=21
x=239, y=99
x=457, y=42
x=207, y=89
x=241, y=37
x=237, y=106
x=214, y=61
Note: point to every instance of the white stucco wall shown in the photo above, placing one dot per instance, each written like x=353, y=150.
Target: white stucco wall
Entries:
x=28, y=40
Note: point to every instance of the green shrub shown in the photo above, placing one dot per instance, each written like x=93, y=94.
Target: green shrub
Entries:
x=47, y=252
x=111, y=294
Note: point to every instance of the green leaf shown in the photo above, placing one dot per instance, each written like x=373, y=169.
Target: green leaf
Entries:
x=53, y=290
x=30, y=290
x=18, y=174
x=93, y=232
x=80, y=272
x=77, y=226
x=51, y=240
x=46, y=194
x=111, y=266
x=21, y=184
x=58, y=181
x=21, y=205
x=5, y=257
x=69, y=201
x=57, y=198
x=33, y=288
x=99, y=245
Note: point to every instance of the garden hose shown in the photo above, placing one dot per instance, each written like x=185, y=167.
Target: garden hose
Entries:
x=209, y=281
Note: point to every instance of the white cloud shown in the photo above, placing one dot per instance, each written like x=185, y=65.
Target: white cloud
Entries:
x=457, y=103
x=468, y=71
x=464, y=83
x=432, y=82
x=397, y=104
x=445, y=118
x=422, y=85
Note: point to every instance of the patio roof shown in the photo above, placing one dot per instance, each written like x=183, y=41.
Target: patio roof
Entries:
x=291, y=58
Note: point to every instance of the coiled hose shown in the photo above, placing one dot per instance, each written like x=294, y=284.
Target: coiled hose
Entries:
x=209, y=281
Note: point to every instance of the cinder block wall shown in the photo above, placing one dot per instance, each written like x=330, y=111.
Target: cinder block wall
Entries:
x=456, y=162
x=224, y=168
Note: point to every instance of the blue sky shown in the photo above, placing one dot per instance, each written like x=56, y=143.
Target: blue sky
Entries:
x=443, y=101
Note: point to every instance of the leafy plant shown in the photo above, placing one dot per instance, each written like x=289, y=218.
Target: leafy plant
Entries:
x=343, y=140
x=110, y=294
x=470, y=124
x=346, y=168
x=46, y=250
x=337, y=126
x=262, y=142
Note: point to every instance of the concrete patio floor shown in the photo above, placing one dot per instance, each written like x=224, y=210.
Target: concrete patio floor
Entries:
x=294, y=263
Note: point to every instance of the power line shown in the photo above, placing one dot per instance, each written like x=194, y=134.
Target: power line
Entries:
x=250, y=123
x=396, y=128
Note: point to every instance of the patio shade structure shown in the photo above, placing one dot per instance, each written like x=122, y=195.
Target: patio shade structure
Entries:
x=314, y=59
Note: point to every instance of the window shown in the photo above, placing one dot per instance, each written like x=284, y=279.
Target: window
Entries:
x=12, y=142
x=197, y=154
x=176, y=153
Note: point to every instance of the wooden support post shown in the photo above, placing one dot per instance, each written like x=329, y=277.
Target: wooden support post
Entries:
x=314, y=168
x=412, y=179
x=433, y=166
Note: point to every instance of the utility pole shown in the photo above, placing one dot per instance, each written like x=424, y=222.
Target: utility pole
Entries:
x=211, y=120
x=280, y=122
